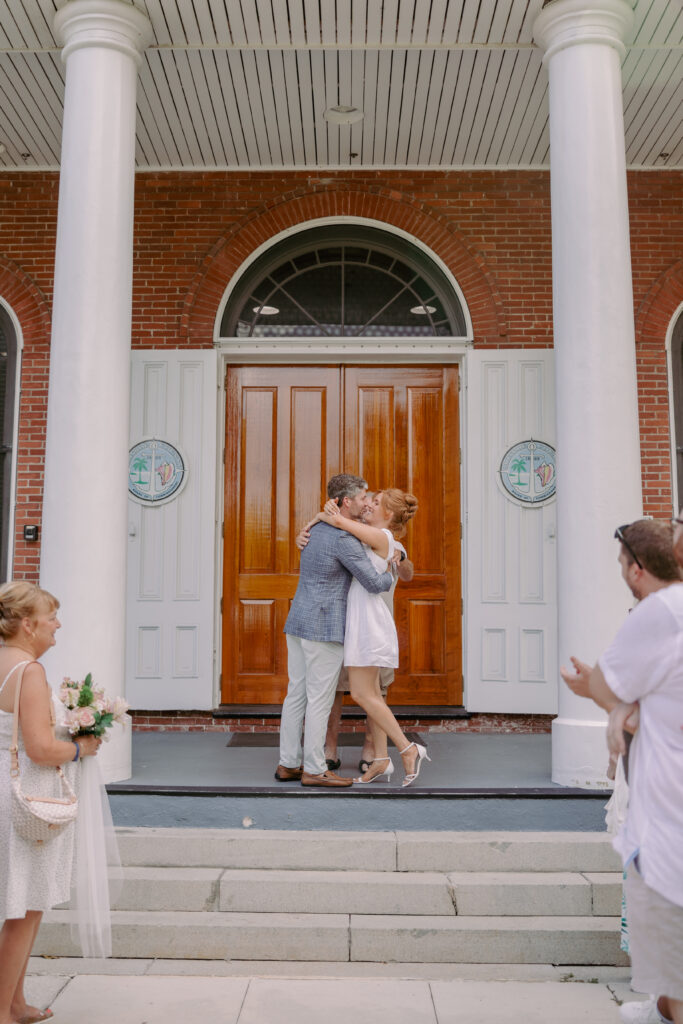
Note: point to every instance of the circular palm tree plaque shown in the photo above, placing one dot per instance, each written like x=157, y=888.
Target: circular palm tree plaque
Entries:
x=156, y=471
x=527, y=472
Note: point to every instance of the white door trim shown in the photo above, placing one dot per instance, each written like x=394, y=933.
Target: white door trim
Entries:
x=676, y=496
x=18, y=334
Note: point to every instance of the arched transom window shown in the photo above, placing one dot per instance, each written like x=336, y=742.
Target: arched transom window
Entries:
x=343, y=281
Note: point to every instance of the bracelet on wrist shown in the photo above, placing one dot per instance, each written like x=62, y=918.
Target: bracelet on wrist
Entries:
x=77, y=755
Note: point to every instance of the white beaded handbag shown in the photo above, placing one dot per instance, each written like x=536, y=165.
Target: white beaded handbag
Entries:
x=37, y=819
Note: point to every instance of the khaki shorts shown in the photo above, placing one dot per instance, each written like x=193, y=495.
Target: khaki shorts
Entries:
x=386, y=678
x=655, y=935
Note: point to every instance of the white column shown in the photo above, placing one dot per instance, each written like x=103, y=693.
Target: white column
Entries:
x=598, y=446
x=83, y=560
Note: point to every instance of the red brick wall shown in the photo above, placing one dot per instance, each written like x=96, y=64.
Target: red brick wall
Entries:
x=203, y=721
x=193, y=230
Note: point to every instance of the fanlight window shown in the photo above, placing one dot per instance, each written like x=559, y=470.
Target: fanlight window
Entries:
x=342, y=282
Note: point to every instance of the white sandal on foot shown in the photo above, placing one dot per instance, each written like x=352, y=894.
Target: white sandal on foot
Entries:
x=387, y=773
x=422, y=755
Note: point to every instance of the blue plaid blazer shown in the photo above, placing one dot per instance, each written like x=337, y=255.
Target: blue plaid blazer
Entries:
x=328, y=562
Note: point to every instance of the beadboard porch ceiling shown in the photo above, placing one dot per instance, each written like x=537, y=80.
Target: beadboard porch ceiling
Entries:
x=242, y=84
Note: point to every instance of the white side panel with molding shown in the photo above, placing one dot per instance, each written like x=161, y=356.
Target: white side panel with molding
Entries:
x=171, y=556
x=511, y=600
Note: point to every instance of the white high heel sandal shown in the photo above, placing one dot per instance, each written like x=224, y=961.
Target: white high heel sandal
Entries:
x=422, y=755
x=387, y=773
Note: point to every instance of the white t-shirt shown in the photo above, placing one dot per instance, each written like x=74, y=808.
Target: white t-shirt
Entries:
x=645, y=663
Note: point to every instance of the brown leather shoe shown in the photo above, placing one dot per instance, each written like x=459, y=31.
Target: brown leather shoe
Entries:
x=327, y=778
x=283, y=774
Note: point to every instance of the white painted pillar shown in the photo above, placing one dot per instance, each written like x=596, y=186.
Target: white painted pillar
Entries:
x=84, y=541
x=598, y=446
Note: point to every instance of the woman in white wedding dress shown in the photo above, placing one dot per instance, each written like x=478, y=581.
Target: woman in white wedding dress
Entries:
x=370, y=639
x=33, y=877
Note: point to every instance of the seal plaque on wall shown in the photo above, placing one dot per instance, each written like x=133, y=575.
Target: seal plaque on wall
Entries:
x=527, y=472
x=156, y=471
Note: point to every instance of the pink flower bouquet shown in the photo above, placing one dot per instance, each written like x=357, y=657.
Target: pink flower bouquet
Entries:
x=89, y=711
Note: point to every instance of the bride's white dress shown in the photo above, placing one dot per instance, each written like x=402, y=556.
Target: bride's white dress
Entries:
x=370, y=637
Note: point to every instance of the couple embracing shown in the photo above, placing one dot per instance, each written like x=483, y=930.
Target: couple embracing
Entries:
x=339, y=618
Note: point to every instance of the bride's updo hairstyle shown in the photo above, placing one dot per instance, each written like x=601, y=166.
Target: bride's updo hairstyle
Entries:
x=21, y=600
x=402, y=507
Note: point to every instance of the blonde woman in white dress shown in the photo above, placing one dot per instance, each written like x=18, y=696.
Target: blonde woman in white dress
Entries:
x=33, y=877
x=370, y=639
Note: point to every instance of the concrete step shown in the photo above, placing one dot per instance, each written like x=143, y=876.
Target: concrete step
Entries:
x=192, y=935
x=522, y=894
x=336, y=892
x=442, y=852
x=505, y=851
x=490, y=940
x=286, y=892
x=545, y=898
x=535, y=894
x=340, y=937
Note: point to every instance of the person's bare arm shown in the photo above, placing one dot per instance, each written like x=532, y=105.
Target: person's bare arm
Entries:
x=600, y=692
x=578, y=681
x=370, y=535
x=406, y=570
x=36, y=725
x=302, y=538
x=622, y=718
x=587, y=681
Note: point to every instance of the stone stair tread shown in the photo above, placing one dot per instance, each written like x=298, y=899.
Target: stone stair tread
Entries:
x=543, y=940
x=230, y=895
x=505, y=851
x=238, y=848
x=221, y=918
x=373, y=892
x=517, y=877
x=521, y=893
x=340, y=937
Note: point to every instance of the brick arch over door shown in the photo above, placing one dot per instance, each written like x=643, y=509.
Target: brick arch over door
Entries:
x=32, y=310
x=653, y=319
x=391, y=208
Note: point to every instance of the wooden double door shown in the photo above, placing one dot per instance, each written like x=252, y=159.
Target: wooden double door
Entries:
x=288, y=429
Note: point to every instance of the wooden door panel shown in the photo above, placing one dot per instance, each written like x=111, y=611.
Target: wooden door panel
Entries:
x=283, y=441
x=282, y=445
x=258, y=469
x=401, y=430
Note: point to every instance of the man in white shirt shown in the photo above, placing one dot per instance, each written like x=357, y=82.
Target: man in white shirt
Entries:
x=642, y=670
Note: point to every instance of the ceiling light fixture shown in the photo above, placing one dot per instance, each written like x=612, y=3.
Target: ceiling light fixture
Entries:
x=423, y=310
x=266, y=310
x=343, y=115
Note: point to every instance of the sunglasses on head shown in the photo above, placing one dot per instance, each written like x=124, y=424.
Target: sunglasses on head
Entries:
x=619, y=534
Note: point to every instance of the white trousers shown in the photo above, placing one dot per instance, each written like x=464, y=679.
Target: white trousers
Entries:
x=313, y=671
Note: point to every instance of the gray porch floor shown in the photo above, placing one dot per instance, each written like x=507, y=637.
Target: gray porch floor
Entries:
x=473, y=782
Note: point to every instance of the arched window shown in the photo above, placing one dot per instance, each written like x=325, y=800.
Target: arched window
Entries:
x=8, y=371
x=677, y=381
x=343, y=281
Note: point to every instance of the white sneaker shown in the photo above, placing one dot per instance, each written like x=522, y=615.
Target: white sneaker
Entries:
x=642, y=1012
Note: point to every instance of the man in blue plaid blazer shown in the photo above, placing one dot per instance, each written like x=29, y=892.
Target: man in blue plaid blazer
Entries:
x=315, y=636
